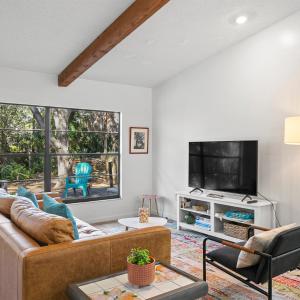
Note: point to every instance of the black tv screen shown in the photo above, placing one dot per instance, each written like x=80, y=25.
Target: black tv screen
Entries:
x=229, y=166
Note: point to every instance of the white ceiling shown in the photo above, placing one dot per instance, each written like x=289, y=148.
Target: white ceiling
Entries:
x=45, y=35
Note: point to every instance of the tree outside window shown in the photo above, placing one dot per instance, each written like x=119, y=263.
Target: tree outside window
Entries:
x=41, y=147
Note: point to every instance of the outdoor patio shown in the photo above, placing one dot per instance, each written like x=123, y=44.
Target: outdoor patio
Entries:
x=96, y=191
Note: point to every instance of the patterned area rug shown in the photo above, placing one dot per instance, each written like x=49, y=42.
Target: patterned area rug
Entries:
x=187, y=255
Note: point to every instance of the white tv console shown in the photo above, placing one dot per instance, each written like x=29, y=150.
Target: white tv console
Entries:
x=264, y=214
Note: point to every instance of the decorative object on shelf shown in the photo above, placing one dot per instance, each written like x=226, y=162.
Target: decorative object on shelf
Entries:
x=187, y=203
x=189, y=218
x=200, y=207
x=222, y=217
x=144, y=215
x=141, y=267
x=182, y=203
x=245, y=216
x=138, y=140
x=239, y=231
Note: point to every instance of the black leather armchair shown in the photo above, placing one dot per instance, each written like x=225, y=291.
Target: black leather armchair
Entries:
x=282, y=255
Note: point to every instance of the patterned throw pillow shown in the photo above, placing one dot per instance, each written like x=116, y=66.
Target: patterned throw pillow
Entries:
x=259, y=242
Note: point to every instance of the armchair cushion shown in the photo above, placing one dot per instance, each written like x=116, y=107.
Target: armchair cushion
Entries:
x=228, y=257
x=259, y=242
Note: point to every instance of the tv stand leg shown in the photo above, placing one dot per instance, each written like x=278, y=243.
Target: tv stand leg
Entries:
x=196, y=189
x=246, y=197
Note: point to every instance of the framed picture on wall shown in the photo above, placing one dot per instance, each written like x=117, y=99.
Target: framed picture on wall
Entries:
x=138, y=140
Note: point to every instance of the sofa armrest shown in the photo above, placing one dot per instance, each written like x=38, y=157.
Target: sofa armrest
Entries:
x=39, y=196
x=54, y=267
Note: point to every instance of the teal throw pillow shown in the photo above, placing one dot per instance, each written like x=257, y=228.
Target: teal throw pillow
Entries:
x=48, y=201
x=23, y=192
x=51, y=206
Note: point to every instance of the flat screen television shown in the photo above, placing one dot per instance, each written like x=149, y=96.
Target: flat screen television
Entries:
x=229, y=166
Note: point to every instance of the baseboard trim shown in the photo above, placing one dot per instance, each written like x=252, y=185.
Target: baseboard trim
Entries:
x=106, y=218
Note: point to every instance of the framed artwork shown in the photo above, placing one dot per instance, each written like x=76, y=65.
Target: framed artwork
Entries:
x=138, y=140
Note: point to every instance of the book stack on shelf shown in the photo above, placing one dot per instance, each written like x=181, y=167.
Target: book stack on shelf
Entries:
x=203, y=223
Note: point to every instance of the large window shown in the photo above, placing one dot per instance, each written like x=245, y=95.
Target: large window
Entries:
x=71, y=151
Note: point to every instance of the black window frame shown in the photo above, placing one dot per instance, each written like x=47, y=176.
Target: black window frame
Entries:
x=48, y=155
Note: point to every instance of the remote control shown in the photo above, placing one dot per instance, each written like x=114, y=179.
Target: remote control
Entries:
x=215, y=196
x=251, y=201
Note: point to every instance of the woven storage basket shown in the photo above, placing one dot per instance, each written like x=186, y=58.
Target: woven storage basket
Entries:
x=239, y=231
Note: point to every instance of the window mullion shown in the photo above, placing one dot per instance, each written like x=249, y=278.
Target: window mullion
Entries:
x=47, y=162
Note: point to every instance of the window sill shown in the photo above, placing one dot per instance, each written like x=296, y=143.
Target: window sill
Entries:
x=92, y=201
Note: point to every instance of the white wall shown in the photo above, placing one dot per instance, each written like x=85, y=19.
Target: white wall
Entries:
x=244, y=92
x=133, y=102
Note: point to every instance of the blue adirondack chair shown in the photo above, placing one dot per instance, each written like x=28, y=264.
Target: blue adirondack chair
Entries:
x=80, y=180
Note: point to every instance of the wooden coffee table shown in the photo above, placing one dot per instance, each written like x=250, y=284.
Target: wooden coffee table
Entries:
x=134, y=222
x=170, y=284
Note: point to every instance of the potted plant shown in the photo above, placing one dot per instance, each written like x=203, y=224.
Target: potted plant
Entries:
x=141, y=267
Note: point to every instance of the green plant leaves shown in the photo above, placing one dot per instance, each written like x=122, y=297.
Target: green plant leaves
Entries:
x=139, y=256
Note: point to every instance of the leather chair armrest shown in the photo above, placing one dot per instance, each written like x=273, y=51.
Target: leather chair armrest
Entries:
x=233, y=245
x=252, y=227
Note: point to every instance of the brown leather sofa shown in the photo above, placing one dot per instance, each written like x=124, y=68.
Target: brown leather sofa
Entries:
x=29, y=271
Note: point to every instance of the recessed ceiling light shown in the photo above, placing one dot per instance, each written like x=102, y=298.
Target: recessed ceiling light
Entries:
x=242, y=19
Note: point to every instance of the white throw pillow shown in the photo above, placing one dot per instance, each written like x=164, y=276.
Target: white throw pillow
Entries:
x=259, y=242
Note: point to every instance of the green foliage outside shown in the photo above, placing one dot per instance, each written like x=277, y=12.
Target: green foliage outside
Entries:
x=22, y=131
x=19, y=169
x=139, y=256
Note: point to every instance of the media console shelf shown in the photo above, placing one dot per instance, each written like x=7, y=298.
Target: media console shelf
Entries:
x=263, y=211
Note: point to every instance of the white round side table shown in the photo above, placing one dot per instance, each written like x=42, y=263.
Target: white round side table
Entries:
x=134, y=222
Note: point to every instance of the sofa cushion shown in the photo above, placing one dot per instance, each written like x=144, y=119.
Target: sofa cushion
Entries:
x=27, y=194
x=43, y=227
x=86, y=230
x=6, y=202
x=259, y=242
x=51, y=206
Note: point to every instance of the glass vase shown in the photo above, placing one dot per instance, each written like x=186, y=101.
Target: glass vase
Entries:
x=144, y=215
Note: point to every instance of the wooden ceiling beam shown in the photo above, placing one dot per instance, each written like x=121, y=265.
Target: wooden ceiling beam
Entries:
x=135, y=15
